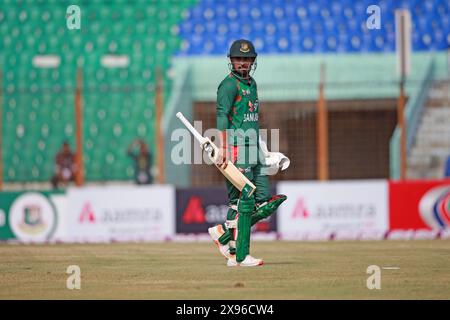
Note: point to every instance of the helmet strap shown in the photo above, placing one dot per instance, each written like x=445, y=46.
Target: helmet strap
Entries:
x=250, y=73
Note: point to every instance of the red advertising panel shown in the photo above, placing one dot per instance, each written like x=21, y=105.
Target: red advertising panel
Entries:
x=421, y=204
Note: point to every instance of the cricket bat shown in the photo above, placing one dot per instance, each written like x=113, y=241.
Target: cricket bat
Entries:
x=241, y=182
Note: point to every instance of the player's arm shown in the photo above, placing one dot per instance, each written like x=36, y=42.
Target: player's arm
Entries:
x=272, y=160
x=225, y=98
x=223, y=150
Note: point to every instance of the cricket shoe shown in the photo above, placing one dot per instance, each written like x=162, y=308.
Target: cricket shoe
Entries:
x=249, y=261
x=216, y=232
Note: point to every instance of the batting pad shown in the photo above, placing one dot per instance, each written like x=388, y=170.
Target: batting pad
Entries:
x=243, y=236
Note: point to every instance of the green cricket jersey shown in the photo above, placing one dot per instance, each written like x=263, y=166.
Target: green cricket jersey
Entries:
x=238, y=108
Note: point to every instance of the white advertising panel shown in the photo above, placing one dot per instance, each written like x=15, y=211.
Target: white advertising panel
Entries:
x=343, y=210
x=121, y=213
x=60, y=203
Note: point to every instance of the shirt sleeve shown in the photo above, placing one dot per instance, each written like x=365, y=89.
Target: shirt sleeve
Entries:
x=225, y=99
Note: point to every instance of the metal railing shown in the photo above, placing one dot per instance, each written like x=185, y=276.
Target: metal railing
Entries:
x=413, y=113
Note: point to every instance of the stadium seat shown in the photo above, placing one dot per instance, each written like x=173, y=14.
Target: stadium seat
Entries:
x=115, y=101
x=40, y=118
x=269, y=18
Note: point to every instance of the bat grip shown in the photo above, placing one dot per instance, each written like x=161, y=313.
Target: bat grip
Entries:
x=208, y=149
x=211, y=150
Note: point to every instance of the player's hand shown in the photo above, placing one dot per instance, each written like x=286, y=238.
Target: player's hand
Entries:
x=223, y=156
x=222, y=159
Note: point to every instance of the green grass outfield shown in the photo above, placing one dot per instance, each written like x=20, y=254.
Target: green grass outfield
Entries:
x=292, y=270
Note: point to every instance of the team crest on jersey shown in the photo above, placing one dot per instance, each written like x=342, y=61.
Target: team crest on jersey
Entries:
x=253, y=106
x=250, y=106
x=245, y=92
x=245, y=170
x=244, y=47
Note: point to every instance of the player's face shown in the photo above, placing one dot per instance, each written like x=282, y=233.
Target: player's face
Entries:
x=242, y=65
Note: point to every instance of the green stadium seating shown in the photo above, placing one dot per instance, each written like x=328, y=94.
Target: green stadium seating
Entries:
x=118, y=104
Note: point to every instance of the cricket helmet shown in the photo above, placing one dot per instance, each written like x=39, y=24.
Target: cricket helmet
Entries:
x=242, y=48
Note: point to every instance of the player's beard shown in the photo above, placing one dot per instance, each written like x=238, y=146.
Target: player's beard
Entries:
x=240, y=71
x=244, y=72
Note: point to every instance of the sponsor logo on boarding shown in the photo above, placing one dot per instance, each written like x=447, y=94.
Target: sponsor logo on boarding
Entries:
x=194, y=213
x=434, y=207
x=344, y=211
x=87, y=214
x=197, y=213
x=32, y=217
x=112, y=215
x=198, y=209
x=300, y=210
